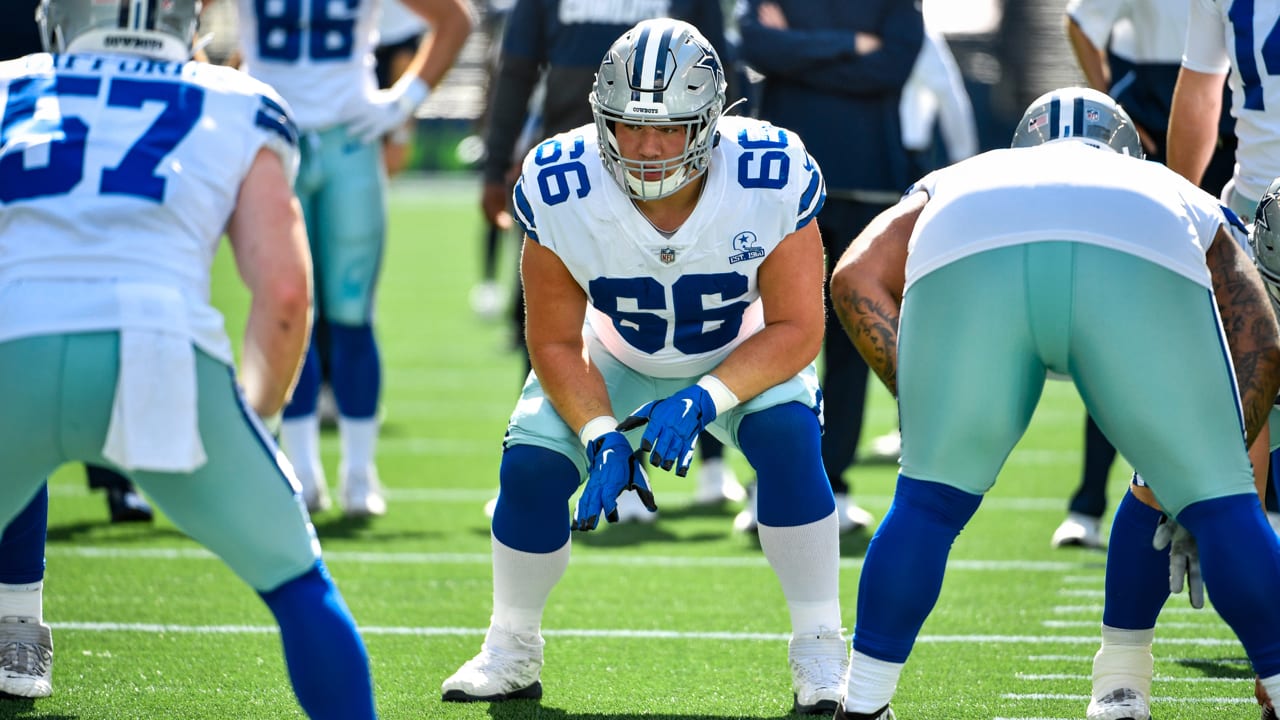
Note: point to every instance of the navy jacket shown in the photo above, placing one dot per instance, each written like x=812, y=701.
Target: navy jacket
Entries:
x=844, y=106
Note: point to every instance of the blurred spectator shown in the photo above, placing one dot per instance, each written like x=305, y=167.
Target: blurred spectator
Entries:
x=834, y=73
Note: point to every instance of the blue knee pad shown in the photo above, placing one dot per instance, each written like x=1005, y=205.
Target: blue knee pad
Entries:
x=307, y=392
x=784, y=446
x=1240, y=562
x=1137, y=583
x=902, y=573
x=327, y=661
x=22, y=545
x=532, y=514
x=355, y=370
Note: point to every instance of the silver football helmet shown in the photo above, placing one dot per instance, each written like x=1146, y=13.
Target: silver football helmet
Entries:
x=161, y=29
x=660, y=72
x=1080, y=113
x=1264, y=237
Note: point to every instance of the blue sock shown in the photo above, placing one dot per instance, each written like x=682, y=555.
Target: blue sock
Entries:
x=784, y=446
x=902, y=573
x=1240, y=561
x=1137, y=584
x=22, y=545
x=327, y=661
x=532, y=514
x=355, y=370
x=307, y=392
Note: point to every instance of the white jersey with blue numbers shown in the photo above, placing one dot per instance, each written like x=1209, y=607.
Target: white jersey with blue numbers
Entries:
x=1245, y=37
x=145, y=200
x=1065, y=191
x=318, y=54
x=673, y=306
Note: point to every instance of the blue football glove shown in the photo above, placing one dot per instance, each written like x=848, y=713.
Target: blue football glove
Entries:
x=674, y=425
x=613, y=469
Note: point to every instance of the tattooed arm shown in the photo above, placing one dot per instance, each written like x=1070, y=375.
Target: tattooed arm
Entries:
x=1251, y=329
x=867, y=284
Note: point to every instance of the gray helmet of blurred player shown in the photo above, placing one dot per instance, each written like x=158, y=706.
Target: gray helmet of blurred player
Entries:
x=161, y=29
x=660, y=72
x=1264, y=237
x=1082, y=114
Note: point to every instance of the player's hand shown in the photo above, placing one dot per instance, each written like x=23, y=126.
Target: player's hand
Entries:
x=389, y=109
x=1184, y=559
x=494, y=201
x=612, y=469
x=1260, y=694
x=674, y=425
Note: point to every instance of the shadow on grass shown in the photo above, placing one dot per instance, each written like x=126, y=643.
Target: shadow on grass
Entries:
x=114, y=532
x=533, y=710
x=13, y=707
x=1219, y=668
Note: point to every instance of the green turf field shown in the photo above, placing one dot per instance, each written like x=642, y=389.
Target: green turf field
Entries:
x=681, y=620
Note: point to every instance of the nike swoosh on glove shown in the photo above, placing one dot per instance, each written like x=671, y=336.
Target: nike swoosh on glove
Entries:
x=1184, y=559
x=674, y=424
x=389, y=109
x=613, y=469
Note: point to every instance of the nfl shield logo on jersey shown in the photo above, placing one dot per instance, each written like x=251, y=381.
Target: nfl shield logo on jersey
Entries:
x=667, y=255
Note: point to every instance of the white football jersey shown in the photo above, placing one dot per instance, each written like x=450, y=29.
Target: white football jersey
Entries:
x=1157, y=29
x=317, y=55
x=1222, y=36
x=122, y=169
x=671, y=306
x=1064, y=190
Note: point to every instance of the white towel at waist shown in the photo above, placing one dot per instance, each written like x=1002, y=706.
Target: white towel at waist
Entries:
x=154, y=418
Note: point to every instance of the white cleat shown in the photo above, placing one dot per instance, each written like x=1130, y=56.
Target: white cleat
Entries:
x=851, y=516
x=1119, y=704
x=26, y=657
x=315, y=493
x=1078, y=530
x=745, y=521
x=362, y=493
x=716, y=483
x=819, y=671
x=632, y=509
x=486, y=300
x=507, y=668
x=885, y=449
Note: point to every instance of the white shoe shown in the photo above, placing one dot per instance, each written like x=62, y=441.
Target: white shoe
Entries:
x=632, y=509
x=490, y=507
x=716, y=483
x=1119, y=704
x=886, y=714
x=507, y=668
x=315, y=491
x=819, y=671
x=745, y=521
x=486, y=300
x=361, y=492
x=885, y=449
x=26, y=657
x=1078, y=530
x=851, y=516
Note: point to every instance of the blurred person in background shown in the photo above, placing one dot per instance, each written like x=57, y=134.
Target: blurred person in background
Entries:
x=320, y=58
x=830, y=67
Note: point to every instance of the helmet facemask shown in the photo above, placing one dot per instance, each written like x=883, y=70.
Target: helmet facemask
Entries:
x=662, y=73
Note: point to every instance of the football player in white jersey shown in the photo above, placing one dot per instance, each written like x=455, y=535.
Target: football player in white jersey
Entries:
x=319, y=57
x=1018, y=294
x=1229, y=41
x=127, y=163
x=672, y=267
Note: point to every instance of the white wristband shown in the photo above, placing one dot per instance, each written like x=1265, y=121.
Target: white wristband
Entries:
x=721, y=396
x=596, y=427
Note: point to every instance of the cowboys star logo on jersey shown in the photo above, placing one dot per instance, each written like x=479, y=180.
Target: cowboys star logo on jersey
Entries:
x=746, y=247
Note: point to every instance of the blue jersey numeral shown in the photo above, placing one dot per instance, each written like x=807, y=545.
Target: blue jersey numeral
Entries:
x=1241, y=17
x=770, y=169
x=282, y=32
x=699, y=329
x=64, y=169
x=554, y=177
